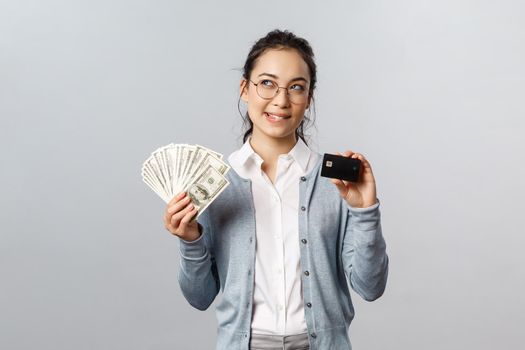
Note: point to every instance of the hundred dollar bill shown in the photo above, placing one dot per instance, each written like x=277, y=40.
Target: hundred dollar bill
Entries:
x=166, y=159
x=172, y=168
x=207, y=185
x=196, y=161
x=187, y=161
x=155, y=172
x=208, y=158
x=216, y=154
x=184, y=156
x=193, y=163
x=153, y=184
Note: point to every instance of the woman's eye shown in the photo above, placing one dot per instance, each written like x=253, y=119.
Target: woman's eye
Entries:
x=267, y=83
x=297, y=87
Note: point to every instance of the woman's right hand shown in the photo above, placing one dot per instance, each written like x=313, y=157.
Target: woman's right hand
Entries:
x=178, y=215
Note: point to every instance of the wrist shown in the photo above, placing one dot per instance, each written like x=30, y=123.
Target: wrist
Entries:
x=190, y=239
x=362, y=205
x=193, y=235
x=369, y=204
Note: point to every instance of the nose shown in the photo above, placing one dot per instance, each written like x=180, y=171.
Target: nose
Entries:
x=281, y=99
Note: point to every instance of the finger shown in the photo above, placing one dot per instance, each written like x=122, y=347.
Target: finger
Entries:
x=168, y=226
x=336, y=182
x=340, y=186
x=360, y=157
x=178, y=206
x=364, y=161
x=167, y=221
x=187, y=218
x=340, y=183
x=177, y=198
x=177, y=217
x=348, y=153
x=175, y=209
x=171, y=206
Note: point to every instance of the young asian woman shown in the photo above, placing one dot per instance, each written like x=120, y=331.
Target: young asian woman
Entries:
x=281, y=242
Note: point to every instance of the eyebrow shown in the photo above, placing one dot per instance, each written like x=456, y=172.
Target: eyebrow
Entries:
x=276, y=77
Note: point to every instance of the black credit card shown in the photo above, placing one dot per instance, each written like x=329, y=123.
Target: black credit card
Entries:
x=339, y=167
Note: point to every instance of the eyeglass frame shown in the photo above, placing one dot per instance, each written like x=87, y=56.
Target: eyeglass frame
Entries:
x=276, y=92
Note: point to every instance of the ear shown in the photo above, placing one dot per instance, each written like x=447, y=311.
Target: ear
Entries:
x=243, y=90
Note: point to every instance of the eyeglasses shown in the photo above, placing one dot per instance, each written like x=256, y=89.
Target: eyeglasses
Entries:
x=268, y=89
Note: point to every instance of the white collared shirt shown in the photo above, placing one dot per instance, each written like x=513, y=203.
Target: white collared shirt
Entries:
x=278, y=307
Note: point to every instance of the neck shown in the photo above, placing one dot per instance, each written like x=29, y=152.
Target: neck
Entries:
x=269, y=148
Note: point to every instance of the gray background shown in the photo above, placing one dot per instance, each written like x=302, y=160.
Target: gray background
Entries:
x=430, y=91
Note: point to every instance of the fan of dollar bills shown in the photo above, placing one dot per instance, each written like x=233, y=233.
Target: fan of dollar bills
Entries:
x=198, y=170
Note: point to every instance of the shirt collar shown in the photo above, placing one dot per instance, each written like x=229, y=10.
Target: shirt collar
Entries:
x=246, y=152
x=300, y=153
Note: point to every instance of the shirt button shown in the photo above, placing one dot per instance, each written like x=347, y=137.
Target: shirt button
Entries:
x=303, y=208
x=307, y=273
x=313, y=335
x=303, y=178
x=304, y=240
x=309, y=304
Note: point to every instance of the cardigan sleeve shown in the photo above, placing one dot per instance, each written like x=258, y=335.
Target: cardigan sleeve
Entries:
x=364, y=252
x=198, y=277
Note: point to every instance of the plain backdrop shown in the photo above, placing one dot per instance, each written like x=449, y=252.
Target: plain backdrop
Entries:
x=431, y=92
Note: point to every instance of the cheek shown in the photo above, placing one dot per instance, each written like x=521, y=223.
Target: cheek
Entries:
x=299, y=115
x=256, y=106
x=299, y=120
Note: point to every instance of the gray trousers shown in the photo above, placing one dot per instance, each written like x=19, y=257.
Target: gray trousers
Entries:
x=277, y=342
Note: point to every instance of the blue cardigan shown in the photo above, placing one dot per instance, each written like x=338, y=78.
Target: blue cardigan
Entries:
x=336, y=242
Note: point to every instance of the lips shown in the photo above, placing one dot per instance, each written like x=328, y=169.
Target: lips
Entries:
x=276, y=117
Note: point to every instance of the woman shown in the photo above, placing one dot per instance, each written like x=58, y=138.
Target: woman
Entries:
x=281, y=242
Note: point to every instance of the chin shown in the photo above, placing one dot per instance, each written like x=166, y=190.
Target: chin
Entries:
x=280, y=136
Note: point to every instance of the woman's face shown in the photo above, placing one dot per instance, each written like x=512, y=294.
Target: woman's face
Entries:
x=286, y=68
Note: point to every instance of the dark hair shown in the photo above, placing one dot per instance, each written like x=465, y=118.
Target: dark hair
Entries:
x=279, y=39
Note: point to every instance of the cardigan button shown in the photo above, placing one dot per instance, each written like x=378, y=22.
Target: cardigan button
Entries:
x=307, y=273
x=304, y=240
x=313, y=335
x=303, y=208
x=303, y=178
x=309, y=304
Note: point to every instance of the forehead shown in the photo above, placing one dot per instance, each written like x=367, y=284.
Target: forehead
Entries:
x=286, y=64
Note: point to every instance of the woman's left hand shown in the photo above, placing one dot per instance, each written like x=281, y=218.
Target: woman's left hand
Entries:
x=359, y=194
